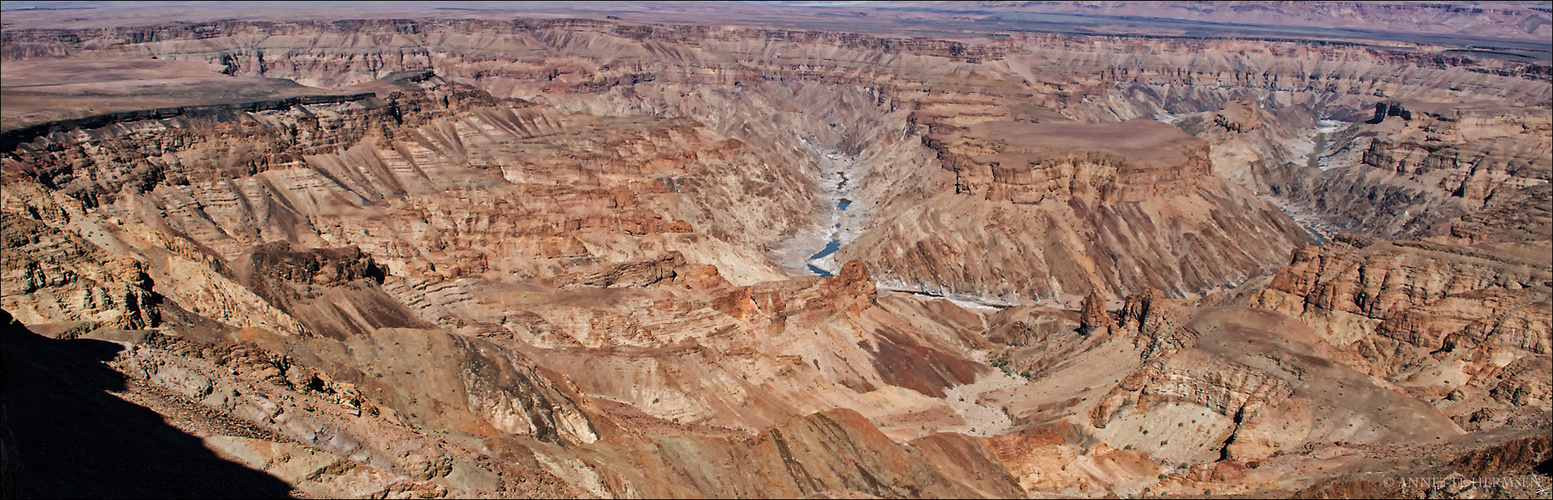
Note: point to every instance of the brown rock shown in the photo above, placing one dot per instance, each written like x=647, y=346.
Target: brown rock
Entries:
x=1093, y=316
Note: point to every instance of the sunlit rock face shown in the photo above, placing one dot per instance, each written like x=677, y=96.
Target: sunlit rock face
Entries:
x=566, y=257
x=1057, y=209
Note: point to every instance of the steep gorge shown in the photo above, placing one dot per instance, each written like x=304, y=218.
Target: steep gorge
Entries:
x=800, y=91
x=585, y=234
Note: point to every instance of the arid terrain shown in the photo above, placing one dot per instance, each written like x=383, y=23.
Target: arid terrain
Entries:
x=896, y=249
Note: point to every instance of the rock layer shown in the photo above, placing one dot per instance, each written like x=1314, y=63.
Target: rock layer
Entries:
x=531, y=257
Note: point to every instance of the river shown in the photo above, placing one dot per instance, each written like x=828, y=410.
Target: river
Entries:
x=835, y=168
x=1323, y=129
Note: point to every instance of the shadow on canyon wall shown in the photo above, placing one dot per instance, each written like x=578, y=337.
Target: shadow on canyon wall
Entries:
x=66, y=436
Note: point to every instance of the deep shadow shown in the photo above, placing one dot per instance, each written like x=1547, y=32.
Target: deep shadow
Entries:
x=75, y=440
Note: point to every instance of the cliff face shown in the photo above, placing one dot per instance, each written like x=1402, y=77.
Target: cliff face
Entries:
x=799, y=89
x=55, y=274
x=383, y=433
x=1458, y=328
x=425, y=260
x=1391, y=286
x=1054, y=209
x=1233, y=399
x=318, y=174
x=542, y=257
x=1431, y=172
x=417, y=204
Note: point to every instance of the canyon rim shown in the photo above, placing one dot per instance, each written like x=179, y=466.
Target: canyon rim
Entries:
x=727, y=249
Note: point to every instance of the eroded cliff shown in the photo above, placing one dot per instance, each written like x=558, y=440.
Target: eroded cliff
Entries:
x=556, y=257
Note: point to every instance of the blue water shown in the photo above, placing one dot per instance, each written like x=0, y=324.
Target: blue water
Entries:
x=835, y=243
x=830, y=248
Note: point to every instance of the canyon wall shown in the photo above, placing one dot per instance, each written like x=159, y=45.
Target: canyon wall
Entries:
x=549, y=257
x=785, y=92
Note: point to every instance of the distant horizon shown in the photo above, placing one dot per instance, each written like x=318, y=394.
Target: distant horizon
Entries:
x=1499, y=29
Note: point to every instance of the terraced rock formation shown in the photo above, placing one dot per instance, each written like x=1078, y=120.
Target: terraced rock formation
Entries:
x=462, y=256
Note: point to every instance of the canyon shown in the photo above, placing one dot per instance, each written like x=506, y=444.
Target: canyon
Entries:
x=776, y=251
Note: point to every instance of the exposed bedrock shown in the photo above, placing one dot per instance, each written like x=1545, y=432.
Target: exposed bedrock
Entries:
x=781, y=93
x=327, y=176
x=1460, y=328
x=1198, y=397
x=1243, y=379
x=1055, y=210
x=1441, y=170
x=545, y=258
x=55, y=275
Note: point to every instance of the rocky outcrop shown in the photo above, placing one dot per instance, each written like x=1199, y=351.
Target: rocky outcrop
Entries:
x=11, y=138
x=1250, y=131
x=1460, y=328
x=1448, y=166
x=1253, y=373
x=1522, y=383
x=1052, y=459
x=53, y=275
x=665, y=268
x=1093, y=318
x=1227, y=388
x=375, y=432
x=1156, y=322
x=1043, y=210
x=277, y=262
x=819, y=454
x=542, y=268
x=333, y=292
x=752, y=357
x=1036, y=340
x=1416, y=293
x=1512, y=465
x=1388, y=109
x=1174, y=370
x=851, y=290
x=135, y=438
x=371, y=414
